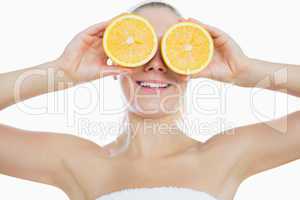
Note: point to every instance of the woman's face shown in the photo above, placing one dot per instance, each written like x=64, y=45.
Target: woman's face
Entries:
x=153, y=90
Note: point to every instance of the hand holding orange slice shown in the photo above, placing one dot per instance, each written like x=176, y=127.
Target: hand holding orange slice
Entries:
x=187, y=48
x=130, y=41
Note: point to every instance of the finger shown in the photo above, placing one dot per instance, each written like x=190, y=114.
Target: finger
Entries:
x=205, y=73
x=109, y=71
x=125, y=70
x=184, y=78
x=115, y=70
x=220, y=37
x=96, y=29
x=182, y=20
x=109, y=62
x=215, y=32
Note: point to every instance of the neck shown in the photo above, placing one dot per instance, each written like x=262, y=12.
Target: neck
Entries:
x=156, y=137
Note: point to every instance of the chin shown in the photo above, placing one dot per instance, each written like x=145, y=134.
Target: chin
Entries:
x=151, y=115
x=152, y=109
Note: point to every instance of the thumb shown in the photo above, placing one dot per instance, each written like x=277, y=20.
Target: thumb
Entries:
x=114, y=70
x=205, y=73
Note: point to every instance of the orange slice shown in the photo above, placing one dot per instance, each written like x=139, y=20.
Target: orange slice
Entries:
x=130, y=40
x=187, y=48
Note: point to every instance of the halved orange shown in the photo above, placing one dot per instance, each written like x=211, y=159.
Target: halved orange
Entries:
x=130, y=40
x=187, y=48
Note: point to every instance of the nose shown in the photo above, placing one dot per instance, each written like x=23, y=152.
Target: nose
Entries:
x=156, y=64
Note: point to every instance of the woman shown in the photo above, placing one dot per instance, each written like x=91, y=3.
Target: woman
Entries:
x=157, y=162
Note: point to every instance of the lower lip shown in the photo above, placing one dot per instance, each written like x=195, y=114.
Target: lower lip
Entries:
x=152, y=90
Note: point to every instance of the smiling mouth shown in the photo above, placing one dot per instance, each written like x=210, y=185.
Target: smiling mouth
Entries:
x=153, y=84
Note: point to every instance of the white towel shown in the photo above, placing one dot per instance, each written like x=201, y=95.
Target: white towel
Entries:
x=157, y=193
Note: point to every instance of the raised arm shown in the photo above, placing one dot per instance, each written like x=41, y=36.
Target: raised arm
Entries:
x=83, y=60
x=20, y=85
x=35, y=155
x=273, y=76
x=231, y=65
x=259, y=146
x=276, y=142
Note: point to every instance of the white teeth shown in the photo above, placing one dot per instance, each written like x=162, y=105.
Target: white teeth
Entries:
x=153, y=85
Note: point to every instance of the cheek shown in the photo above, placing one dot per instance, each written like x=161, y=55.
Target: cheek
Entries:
x=127, y=87
x=183, y=79
x=179, y=88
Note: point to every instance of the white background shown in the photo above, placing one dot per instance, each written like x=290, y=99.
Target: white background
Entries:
x=33, y=32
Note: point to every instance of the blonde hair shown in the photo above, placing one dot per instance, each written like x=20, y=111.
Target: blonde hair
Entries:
x=158, y=4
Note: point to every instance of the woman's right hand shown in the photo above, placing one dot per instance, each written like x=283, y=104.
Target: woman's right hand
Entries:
x=84, y=58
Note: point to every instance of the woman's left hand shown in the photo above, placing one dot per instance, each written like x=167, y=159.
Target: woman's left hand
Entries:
x=229, y=63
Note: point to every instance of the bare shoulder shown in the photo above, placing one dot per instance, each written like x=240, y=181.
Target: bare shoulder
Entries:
x=70, y=144
x=230, y=148
x=71, y=147
x=46, y=157
x=81, y=161
x=261, y=146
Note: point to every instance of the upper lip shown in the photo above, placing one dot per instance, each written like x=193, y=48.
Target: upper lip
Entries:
x=154, y=81
x=160, y=82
